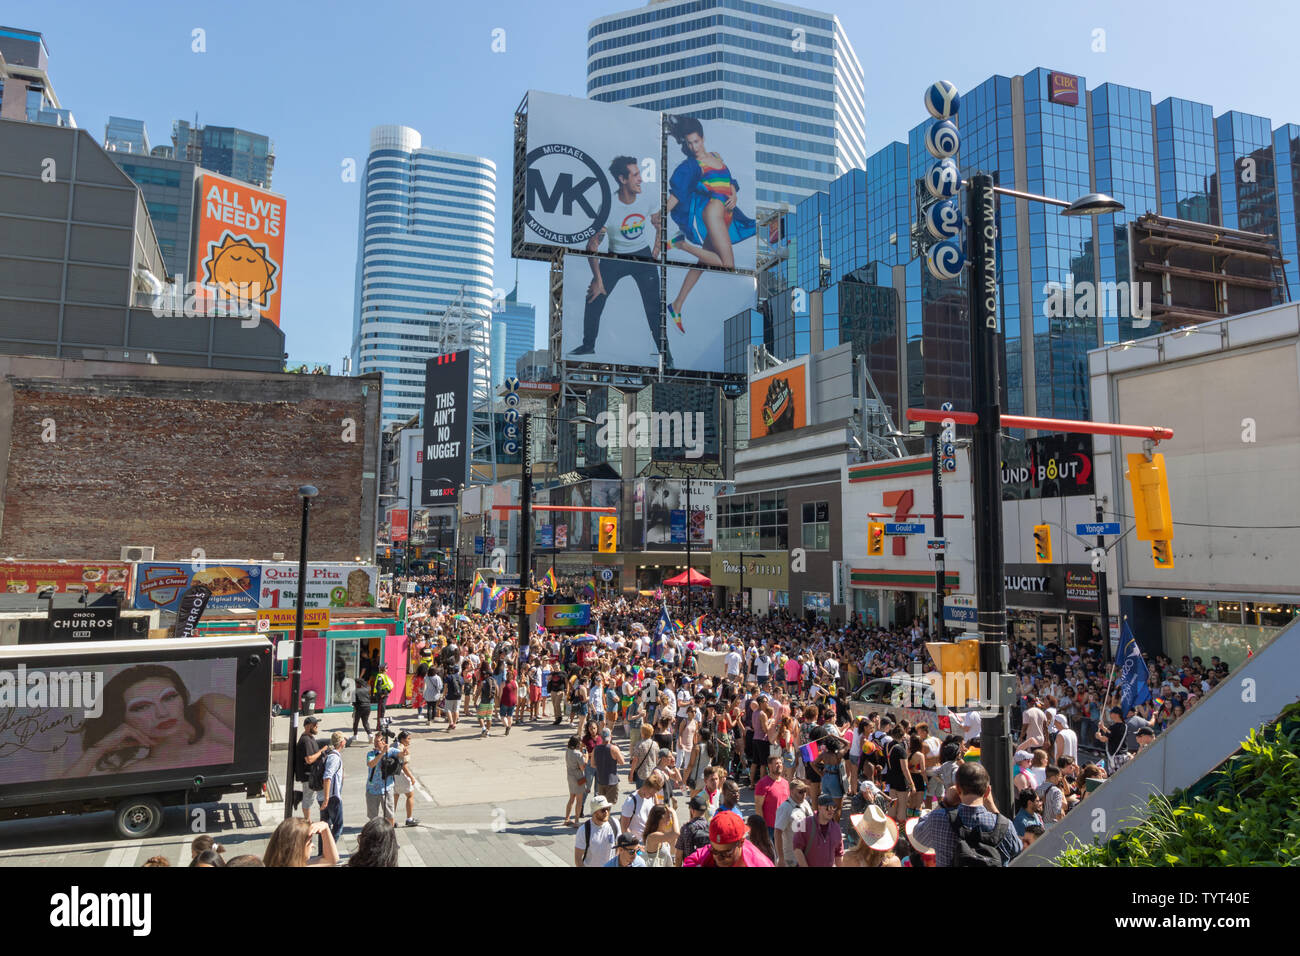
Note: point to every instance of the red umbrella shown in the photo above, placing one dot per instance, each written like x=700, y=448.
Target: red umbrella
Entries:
x=695, y=579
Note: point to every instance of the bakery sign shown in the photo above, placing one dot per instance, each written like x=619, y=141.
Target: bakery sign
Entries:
x=328, y=585
x=760, y=570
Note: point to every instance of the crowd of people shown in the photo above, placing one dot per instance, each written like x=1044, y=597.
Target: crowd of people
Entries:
x=740, y=740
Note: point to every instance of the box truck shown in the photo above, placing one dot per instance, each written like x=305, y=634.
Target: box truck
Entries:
x=132, y=726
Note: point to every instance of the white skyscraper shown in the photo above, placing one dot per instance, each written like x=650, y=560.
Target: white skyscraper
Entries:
x=424, y=254
x=789, y=72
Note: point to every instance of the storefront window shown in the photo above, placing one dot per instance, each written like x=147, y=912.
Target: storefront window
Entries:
x=779, y=599
x=819, y=602
x=1230, y=612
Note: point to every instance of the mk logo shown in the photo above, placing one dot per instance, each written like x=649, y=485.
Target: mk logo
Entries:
x=565, y=191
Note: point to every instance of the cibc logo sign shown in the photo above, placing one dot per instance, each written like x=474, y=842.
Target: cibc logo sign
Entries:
x=568, y=194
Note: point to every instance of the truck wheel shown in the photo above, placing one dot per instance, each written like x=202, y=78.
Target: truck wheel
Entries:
x=138, y=817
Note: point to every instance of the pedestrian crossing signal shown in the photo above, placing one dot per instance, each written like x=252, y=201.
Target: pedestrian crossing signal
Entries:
x=1162, y=554
x=875, y=538
x=1043, y=543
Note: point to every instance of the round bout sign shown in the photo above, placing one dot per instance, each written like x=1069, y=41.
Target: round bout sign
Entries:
x=942, y=100
x=945, y=259
x=942, y=139
x=943, y=179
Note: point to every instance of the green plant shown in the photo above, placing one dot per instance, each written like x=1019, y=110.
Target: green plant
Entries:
x=1246, y=813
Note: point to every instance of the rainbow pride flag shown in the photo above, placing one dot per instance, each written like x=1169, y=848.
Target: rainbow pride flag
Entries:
x=549, y=580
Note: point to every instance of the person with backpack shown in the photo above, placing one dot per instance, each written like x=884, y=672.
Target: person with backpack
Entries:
x=309, y=751
x=380, y=687
x=966, y=829
x=384, y=763
x=328, y=772
x=594, y=843
x=454, y=687
x=487, y=698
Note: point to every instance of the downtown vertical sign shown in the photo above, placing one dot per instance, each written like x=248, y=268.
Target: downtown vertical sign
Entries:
x=446, y=424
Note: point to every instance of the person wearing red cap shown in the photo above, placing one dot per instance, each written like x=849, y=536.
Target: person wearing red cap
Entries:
x=727, y=845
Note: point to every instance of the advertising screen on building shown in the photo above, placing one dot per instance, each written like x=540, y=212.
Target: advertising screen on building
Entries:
x=711, y=194
x=664, y=502
x=591, y=180
x=116, y=719
x=1053, y=466
x=160, y=584
x=95, y=577
x=239, y=249
x=446, y=426
x=778, y=401
x=328, y=585
x=612, y=312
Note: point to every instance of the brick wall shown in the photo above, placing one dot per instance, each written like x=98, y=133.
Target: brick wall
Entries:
x=180, y=463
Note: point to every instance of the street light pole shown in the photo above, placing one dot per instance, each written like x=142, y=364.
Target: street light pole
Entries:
x=986, y=449
x=307, y=493
x=939, y=570
x=410, y=516
x=525, y=520
x=688, y=547
x=1101, y=591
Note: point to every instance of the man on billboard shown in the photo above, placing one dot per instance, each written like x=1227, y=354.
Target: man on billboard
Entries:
x=633, y=213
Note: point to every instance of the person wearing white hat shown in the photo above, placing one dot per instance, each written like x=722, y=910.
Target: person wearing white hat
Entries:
x=1067, y=741
x=595, y=840
x=877, y=837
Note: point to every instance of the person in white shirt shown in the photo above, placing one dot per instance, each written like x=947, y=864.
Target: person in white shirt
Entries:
x=633, y=214
x=790, y=817
x=595, y=839
x=639, y=803
x=733, y=662
x=1067, y=741
x=970, y=724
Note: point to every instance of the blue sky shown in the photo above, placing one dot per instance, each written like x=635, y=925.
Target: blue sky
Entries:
x=317, y=76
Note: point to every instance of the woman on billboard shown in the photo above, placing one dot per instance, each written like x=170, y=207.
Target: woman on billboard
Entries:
x=149, y=723
x=702, y=201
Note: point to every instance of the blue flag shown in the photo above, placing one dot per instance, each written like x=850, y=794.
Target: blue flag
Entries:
x=1133, y=674
x=662, y=630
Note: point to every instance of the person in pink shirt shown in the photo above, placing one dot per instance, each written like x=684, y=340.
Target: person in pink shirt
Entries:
x=770, y=792
x=727, y=845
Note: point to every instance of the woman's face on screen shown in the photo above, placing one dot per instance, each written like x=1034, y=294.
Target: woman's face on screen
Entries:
x=154, y=707
x=695, y=143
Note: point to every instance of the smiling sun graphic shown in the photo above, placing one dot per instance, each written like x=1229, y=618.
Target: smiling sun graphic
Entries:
x=240, y=268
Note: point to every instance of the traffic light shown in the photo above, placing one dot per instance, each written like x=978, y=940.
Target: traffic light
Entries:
x=875, y=538
x=1162, y=554
x=531, y=601
x=958, y=664
x=1151, y=510
x=1043, y=543
x=608, y=543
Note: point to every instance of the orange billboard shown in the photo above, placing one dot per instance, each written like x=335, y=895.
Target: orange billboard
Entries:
x=778, y=401
x=240, y=247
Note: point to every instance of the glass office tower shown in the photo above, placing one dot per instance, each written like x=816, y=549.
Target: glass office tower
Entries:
x=787, y=71
x=424, y=244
